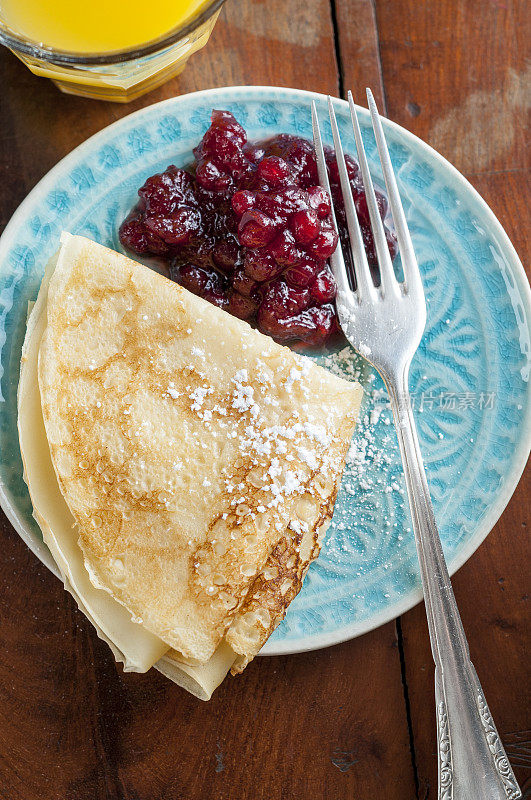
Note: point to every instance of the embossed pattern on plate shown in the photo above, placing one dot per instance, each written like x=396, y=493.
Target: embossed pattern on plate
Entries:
x=470, y=378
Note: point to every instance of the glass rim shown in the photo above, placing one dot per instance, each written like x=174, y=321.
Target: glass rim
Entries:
x=29, y=47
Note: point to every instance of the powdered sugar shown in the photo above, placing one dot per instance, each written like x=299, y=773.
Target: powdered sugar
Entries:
x=172, y=391
x=371, y=511
x=198, y=396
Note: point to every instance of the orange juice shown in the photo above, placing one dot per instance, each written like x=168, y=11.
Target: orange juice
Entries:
x=96, y=26
x=107, y=49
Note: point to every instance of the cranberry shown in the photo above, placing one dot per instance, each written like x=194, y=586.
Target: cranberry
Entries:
x=256, y=229
x=227, y=255
x=319, y=200
x=241, y=169
x=209, y=200
x=216, y=297
x=266, y=201
x=299, y=153
x=224, y=139
x=200, y=280
x=176, y=228
x=243, y=201
x=165, y=192
x=284, y=249
x=283, y=299
x=320, y=323
x=276, y=326
x=333, y=170
x=324, y=243
x=303, y=273
x=314, y=326
x=224, y=120
x=362, y=208
x=200, y=252
x=291, y=199
x=260, y=265
x=275, y=171
x=305, y=226
x=323, y=289
x=136, y=237
x=240, y=306
x=243, y=283
x=221, y=221
x=254, y=152
x=221, y=145
x=210, y=176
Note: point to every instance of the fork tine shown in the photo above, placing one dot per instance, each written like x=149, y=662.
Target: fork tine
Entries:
x=365, y=286
x=387, y=274
x=412, y=279
x=337, y=262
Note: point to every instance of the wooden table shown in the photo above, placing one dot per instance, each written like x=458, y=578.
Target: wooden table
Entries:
x=356, y=721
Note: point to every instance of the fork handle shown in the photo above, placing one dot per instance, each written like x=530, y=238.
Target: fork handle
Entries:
x=472, y=762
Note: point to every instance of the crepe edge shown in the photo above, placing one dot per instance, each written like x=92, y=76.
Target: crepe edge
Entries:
x=288, y=563
x=200, y=680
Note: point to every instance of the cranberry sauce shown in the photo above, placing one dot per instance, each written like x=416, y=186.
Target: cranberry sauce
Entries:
x=248, y=228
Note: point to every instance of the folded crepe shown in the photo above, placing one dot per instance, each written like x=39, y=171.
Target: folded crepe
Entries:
x=183, y=467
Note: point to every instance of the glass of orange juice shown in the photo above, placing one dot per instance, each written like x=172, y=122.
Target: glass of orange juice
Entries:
x=107, y=49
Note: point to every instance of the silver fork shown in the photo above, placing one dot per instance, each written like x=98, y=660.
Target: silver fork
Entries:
x=385, y=325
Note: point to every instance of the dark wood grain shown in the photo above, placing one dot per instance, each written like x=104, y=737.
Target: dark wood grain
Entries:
x=358, y=49
x=494, y=603
x=330, y=724
x=456, y=75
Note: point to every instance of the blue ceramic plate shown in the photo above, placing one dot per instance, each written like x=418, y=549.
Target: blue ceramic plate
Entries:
x=469, y=379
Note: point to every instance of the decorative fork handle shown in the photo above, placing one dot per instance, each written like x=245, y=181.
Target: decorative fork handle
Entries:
x=472, y=762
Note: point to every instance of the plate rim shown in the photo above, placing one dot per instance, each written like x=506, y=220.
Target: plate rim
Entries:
x=520, y=455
